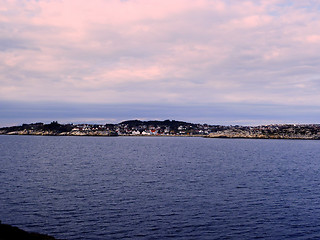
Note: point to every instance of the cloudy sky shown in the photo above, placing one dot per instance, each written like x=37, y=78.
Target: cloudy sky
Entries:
x=207, y=61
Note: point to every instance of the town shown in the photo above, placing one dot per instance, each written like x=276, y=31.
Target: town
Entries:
x=168, y=128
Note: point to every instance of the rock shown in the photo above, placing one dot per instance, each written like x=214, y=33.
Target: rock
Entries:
x=8, y=232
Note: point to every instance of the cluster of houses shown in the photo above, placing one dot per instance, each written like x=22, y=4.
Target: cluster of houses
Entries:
x=154, y=128
x=144, y=129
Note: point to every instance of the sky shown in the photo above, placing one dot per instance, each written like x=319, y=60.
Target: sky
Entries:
x=246, y=62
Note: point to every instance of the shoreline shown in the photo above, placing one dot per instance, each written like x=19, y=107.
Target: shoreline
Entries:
x=98, y=135
x=202, y=136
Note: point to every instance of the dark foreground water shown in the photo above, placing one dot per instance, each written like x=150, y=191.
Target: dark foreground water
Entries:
x=161, y=188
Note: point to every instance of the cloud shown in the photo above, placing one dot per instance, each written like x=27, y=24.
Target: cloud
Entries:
x=173, y=52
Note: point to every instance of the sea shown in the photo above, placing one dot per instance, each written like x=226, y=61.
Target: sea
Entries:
x=160, y=187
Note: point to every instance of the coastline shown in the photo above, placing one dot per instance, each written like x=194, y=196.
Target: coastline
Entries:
x=168, y=128
x=211, y=135
x=91, y=134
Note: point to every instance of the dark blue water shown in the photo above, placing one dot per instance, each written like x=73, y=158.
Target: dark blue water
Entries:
x=161, y=187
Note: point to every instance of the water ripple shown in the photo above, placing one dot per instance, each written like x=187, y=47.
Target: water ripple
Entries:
x=161, y=188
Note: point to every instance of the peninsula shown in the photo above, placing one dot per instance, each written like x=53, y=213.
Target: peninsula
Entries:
x=168, y=128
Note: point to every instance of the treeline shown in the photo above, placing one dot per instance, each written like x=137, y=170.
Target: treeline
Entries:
x=53, y=126
x=172, y=124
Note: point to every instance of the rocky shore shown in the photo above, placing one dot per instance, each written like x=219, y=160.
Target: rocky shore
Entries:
x=291, y=132
x=260, y=136
x=55, y=133
x=8, y=232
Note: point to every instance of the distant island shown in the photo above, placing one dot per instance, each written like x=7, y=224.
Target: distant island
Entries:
x=168, y=128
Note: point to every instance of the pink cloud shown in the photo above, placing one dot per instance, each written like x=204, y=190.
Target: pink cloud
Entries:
x=187, y=49
x=313, y=38
x=77, y=13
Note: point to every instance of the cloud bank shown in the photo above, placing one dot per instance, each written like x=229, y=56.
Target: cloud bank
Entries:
x=177, y=52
